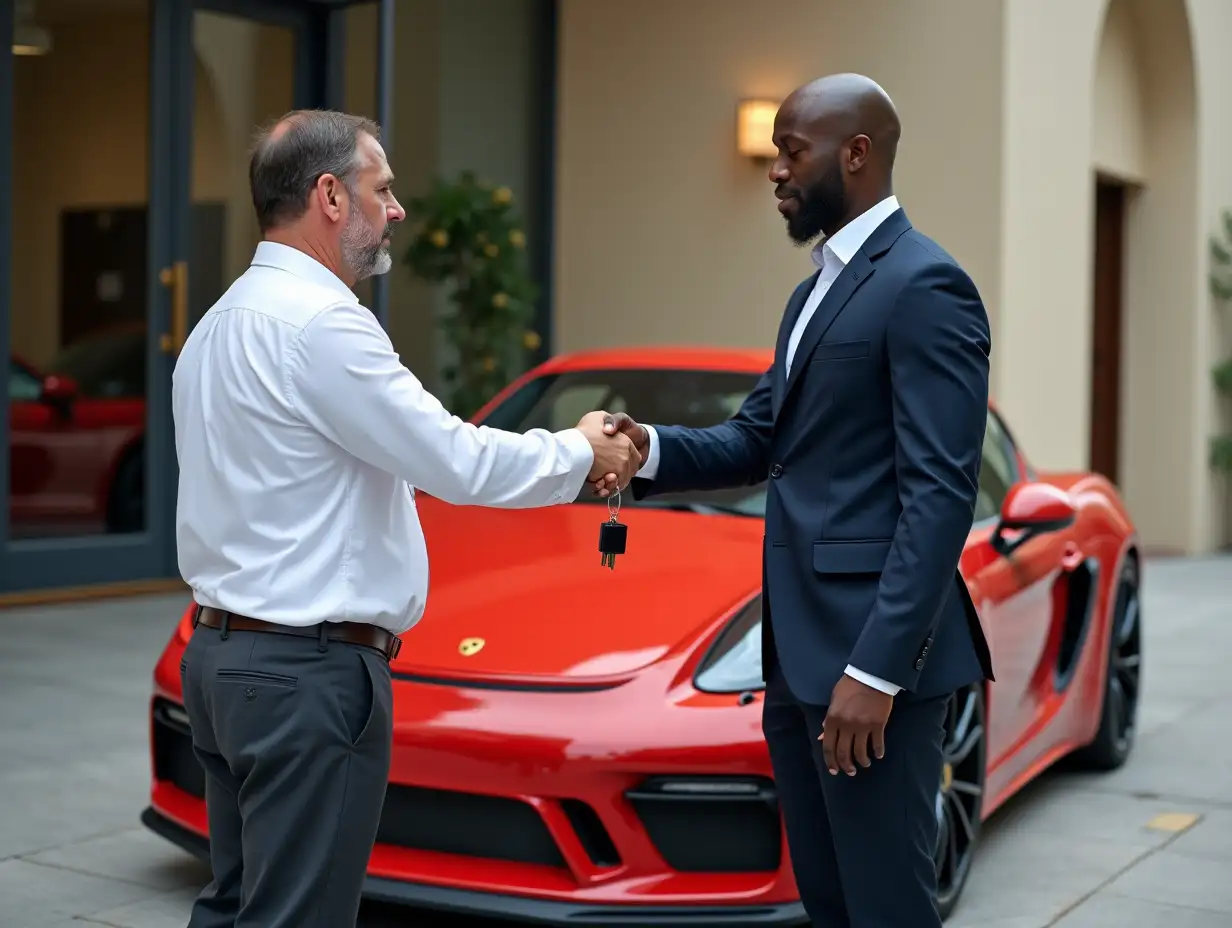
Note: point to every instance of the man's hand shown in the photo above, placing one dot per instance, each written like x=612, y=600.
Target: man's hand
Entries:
x=621, y=423
x=617, y=460
x=858, y=713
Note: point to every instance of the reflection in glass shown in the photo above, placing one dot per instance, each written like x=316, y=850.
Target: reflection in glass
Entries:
x=78, y=305
x=245, y=78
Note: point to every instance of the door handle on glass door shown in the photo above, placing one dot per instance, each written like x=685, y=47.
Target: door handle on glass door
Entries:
x=175, y=279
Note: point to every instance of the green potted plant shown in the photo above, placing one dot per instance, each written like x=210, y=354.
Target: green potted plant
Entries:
x=468, y=237
x=1221, y=289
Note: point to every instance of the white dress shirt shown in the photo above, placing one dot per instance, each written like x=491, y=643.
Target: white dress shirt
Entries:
x=300, y=436
x=831, y=256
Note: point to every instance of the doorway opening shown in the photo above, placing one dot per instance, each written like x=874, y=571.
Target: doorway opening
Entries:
x=1107, y=327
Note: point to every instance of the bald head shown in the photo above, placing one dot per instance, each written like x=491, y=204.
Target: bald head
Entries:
x=837, y=138
x=847, y=105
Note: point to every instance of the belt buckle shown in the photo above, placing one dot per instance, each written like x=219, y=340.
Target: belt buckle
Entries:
x=395, y=646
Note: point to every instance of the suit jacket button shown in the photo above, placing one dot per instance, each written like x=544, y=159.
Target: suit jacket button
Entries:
x=776, y=470
x=919, y=665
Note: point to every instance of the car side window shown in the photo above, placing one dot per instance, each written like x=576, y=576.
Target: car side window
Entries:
x=997, y=470
x=23, y=386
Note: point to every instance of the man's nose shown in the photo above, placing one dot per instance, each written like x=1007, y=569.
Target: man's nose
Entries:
x=778, y=172
x=394, y=212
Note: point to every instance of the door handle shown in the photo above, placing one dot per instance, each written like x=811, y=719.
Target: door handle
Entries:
x=175, y=279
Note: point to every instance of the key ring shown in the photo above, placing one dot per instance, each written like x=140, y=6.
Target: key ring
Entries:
x=610, y=511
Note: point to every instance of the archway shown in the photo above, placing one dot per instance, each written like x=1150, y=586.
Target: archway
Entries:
x=1147, y=265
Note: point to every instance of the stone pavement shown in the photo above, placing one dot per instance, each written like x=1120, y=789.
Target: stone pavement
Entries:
x=1146, y=847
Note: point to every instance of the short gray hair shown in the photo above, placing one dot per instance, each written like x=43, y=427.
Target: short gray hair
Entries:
x=287, y=164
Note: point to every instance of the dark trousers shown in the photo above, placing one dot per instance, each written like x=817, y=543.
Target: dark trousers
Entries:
x=861, y=847
x=295, y=736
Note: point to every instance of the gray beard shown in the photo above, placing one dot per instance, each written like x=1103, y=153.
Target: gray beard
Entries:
x=364, y=258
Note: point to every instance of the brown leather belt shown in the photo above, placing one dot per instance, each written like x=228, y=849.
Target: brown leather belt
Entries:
x=372, y=636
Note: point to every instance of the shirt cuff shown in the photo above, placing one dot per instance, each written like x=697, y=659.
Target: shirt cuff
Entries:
x=650, y=466
x=876, y=683
x=581, y=460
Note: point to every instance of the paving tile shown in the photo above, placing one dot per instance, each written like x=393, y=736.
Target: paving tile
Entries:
x=1212, y=837
x=1169, y=879
x=137, y=856
x=1053, y=806
x=1025, y=874
x=165, y=910
x=1109, y=910
x=32, y=896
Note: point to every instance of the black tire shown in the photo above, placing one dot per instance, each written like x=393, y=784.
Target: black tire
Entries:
x=1118, y=724
x=126, y=501
x=960, y=794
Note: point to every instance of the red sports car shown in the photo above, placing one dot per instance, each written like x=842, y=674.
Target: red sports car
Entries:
x=563, y=753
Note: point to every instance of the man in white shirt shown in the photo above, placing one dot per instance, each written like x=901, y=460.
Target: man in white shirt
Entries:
x=301, y=438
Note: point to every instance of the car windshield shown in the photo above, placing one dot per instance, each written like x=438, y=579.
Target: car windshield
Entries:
x=695, y=398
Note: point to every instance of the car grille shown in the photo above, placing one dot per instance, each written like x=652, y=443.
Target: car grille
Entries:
x=465, y=823
x=174, y=760
x=697, y=824
x=423, y=819
x=711, y=824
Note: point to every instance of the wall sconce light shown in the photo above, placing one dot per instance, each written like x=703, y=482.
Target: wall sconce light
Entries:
x=755, y=129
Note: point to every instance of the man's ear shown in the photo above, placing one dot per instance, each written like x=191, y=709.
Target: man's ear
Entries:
x=330, y=194
x=857, y=152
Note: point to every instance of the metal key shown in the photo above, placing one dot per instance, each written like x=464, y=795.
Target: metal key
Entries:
x=612, y=535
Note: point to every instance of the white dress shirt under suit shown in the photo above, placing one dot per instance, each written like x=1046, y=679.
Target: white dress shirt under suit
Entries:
x=831, y=256
x=300, y=437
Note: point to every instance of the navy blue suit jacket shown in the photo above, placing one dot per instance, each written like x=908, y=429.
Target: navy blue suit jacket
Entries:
x=872, y=448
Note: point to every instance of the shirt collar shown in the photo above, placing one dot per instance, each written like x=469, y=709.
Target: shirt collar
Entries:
x=844, y=243
x=302, y=265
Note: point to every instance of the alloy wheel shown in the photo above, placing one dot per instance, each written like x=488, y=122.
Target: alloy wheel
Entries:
x=960, y=794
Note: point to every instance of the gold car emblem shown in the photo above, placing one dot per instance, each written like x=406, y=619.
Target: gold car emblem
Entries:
x=470, y=646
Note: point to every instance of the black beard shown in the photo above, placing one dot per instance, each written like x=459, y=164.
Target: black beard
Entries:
x=822, y=207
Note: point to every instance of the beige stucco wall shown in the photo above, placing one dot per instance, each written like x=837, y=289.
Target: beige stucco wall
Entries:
x=664, y=234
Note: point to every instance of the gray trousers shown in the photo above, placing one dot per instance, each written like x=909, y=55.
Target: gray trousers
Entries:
x=294, y=736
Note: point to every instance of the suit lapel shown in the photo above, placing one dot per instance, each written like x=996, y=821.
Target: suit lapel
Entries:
x=858, y=270
x=794, y=308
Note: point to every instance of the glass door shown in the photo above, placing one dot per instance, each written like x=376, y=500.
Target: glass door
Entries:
x=125, y=130
x=82, y=233
x=126, y=124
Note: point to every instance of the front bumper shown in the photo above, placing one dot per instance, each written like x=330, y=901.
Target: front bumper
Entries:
x=521, y=908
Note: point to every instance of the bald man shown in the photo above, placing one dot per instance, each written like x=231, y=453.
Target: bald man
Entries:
x=869, y=424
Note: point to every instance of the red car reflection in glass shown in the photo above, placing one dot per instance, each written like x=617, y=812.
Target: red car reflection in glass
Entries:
x=76, y=438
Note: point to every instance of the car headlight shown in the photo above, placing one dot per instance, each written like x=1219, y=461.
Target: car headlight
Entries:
x=733, y=664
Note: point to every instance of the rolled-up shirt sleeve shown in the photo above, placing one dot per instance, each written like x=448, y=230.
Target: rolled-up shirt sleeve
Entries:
x=344, y=379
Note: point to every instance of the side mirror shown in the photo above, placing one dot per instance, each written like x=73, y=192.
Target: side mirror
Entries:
x=1030, y=510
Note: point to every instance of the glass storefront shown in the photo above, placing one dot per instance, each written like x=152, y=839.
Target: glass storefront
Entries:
x=124, y=144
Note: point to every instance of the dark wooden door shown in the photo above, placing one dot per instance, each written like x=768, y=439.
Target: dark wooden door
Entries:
x=1109, y=274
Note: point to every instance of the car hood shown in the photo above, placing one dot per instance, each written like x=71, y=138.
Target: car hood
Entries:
x=528, y=584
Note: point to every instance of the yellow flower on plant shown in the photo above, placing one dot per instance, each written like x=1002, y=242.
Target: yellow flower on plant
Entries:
x=517, y=239
x=489, y=364
x=502, y=195
x=439, y=238
x=500, y=300
x=532, y=340
x=491, y=250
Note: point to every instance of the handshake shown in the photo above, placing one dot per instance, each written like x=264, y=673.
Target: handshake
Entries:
x=620, y=446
